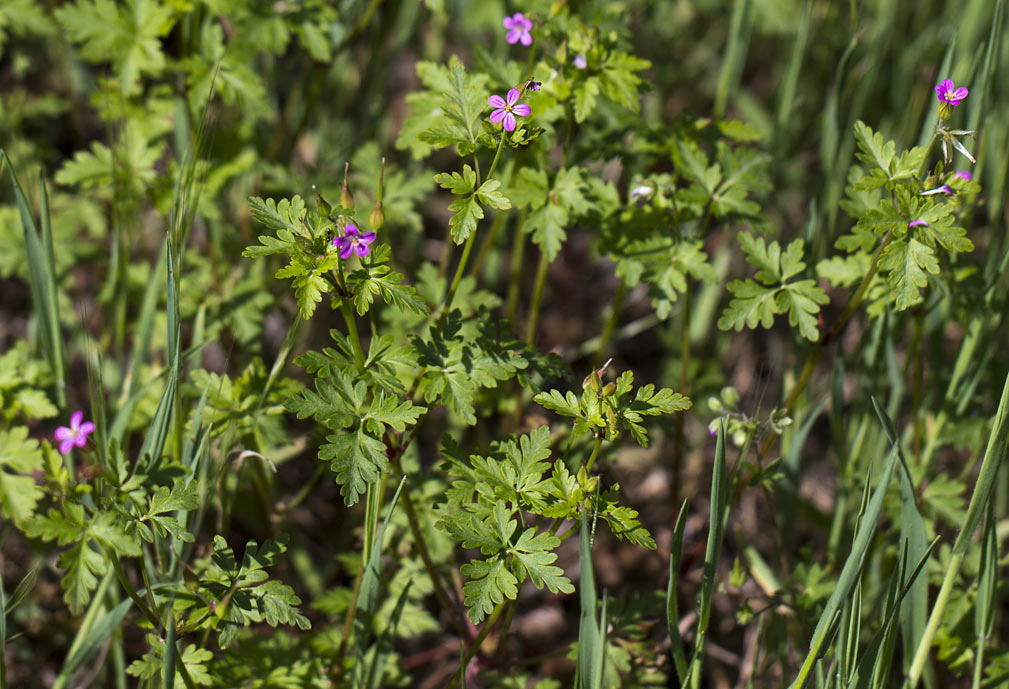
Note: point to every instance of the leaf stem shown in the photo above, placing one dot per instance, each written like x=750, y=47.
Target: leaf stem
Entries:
x=534, y=309
x=821, y=346
x=475, y=646
x=355, y=340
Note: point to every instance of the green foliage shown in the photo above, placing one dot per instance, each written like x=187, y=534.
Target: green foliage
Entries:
x=231, y=595
x=22, y=378
x=770, y=293
x=551, y=206
x=20, y=457
x=357, y=452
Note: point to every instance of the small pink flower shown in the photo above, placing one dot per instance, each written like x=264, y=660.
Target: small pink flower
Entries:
x=948, y=93
x=76, y=434
x=506, y=110
x=518, y=29
x=353, y=242
x=580, y=62
x=963, y=174
x=916, y=223
x=944, y=189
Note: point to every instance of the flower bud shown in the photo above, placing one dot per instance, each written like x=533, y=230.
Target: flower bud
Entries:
x=945, y=110
x=346, y=198
x=592, y=381
x=324, y=207
x=609, y=389
x=377, y=217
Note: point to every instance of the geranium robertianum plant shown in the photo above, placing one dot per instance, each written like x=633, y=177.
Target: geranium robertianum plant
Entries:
x=449, y=464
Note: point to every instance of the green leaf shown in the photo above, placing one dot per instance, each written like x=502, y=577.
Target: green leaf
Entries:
x=490, y=583
x=488, y=193
x=180, y=498
x=873, y=149
x=357, y=458
x=128, y=34
x=376, y=277
x=20, y=457
x=465, y=214
x=457, y=183
x=906, y=264
x=534, y=556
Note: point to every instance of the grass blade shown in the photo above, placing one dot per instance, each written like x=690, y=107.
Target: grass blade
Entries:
x=590, y=642
x=716, y=529
x=850, y=573
x=672, y=605
x=42, y=275
x=735, y=55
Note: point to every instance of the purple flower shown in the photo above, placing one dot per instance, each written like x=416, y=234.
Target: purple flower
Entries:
x=506, y=110
x=580, y=62
x=948, y=93
x=76, y=434
x=963, y=174
x=944, y=189
x=916, y=223
x=354, y=242
x=518, y=29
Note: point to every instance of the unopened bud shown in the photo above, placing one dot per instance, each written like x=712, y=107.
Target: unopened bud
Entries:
x=945, y=110
x=346, y=198
x=592, y=381
x=324, y=207
x=609, y=389
x=377, y=217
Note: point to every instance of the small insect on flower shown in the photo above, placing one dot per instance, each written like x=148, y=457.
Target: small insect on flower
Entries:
x=506, y=110
x=948, y=93
x=75, y=434
x=518, y=29
x=354, y=242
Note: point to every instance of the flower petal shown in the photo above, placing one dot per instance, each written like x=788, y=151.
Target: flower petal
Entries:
x=361, y=249
x=66, y=446
x=960, y=93
x=513, y=36
x=498, y=115
x=75, y=420
x=352, y=231
x=496, y=101
x=527, y=39
x=63, y=433
x=527, y=23
x=963, y=174
x=367, y=238
x=80, y=441
x=513, y=96
x=944, y=86
x=509, y=122
x=87, y=428
x=522, y=110
x=340, y=242
x=347, y=250
x=509, y=22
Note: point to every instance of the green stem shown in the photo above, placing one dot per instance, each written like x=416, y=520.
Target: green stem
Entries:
x=460, y=269
x=821, y=345
x=117, y=565
x=534, y=309
x=682, y=388
x=475, y=646
x=517, y=254
x=355, y=340
x=928, y=152
x=925, y=645
x=595, y=453
x=611, y=324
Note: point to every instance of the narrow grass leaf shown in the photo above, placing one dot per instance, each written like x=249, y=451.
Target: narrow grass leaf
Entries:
x=849, y=573
x=171, y=653
x=672, y=606
x=590, y=642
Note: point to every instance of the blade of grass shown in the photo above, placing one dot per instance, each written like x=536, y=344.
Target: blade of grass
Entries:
x=590, y=642
x=672, y=605
x=987, y=587
x=382, y=648
x=171, y=653
x=42, y=276
x=740, y=24
x=849, y=573
x=97, y=634
x=993, y=456
x=716, y=529
x=786, y=99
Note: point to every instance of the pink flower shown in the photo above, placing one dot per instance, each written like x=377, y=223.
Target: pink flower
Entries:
x=354, y=242
x=580, y=62
x=948, y=93
x=76, y=434
x=518, y=29
x=916, y=223
x=506, y=110
x=963, y=174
